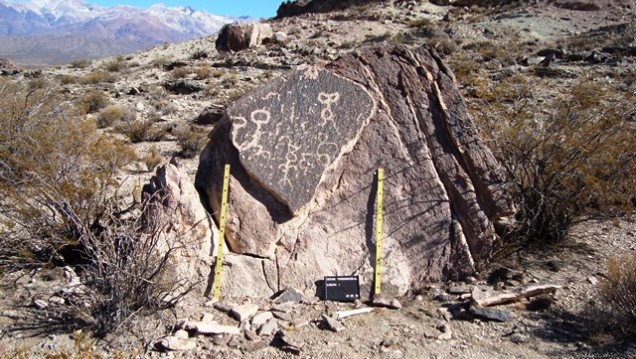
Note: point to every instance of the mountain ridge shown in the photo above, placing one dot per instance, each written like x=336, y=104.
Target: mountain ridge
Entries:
x=122, y=28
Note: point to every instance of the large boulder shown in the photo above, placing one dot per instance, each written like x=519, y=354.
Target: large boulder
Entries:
x=173, y=209
x=237, y=37
x=299, y=7
x=304, y=150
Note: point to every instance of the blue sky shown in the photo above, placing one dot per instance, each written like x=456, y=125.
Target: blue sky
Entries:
x=253, y=8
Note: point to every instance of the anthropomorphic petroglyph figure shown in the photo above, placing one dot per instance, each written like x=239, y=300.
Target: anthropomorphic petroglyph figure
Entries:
x=327, y=114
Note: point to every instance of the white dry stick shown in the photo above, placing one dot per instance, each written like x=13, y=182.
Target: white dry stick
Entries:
x=349, y=313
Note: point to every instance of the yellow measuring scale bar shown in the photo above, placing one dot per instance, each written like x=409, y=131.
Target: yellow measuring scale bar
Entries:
x=219, y=252
x=378, y=232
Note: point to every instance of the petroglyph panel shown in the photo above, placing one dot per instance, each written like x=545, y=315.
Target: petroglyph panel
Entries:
x=289, y=131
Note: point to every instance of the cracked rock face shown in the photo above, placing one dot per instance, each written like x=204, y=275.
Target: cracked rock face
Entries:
x=304, y=150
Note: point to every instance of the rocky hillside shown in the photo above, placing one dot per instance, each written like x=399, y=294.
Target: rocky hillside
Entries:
x=510, y=61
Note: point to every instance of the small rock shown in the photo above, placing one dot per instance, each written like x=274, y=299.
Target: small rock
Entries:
x=244, y=312
x=212, y=328
x=292, y=341
x=541, y=302
x=283, y=307
x=221, y=339
x=280, y=37
x=462, y=289
x=495, y=314
x=388, y=303
x=447, y=333
x=333, y=323
x=251, y=335
x=269, y=328
x=40, y=304
x=444, y=297
x=419, y=298
x=518, y=338
x=299, y=323
x=532, y=60
x=592, y=280
x=289, y=295
x=388, y=342
x=254, y=346
x=283, y=316
x=261, y=318
x=444, y=313
x=395, y=304
x=208, y=318
x=176, y=344
x=233, y=343
x=443, y=327
x=181, y=334
x=57, y=300
x=223, y=307
x=430, y=333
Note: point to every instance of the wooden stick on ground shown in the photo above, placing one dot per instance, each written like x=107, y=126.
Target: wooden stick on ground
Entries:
x=481, y=299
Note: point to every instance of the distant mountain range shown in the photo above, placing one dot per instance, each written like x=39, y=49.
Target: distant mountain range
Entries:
x=60, y=31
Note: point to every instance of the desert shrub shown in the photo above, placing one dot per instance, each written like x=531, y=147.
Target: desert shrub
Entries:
x=216, y=73
x=55, y=171
x=80, y=64
x=565, y=164
x=152, y=158
x=37, y=83
x=67, y=79
x=93, y=101
x=230, y=80
x=142, y=130
x=443, y=44
x=59, y=200
x=422, y=22
x=199, y=54
x=191, y=140
x=115, y=65
x=160, y=62
x=181, y=72
x=130, y=272
x=203, y=72
x=113, y=114
x=97, y=77
x=618, y=294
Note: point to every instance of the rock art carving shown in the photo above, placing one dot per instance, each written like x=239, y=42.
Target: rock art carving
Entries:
x=307, y=121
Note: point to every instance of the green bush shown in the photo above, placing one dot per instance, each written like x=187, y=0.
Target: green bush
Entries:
x=575, y=160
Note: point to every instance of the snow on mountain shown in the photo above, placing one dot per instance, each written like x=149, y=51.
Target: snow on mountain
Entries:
x=63, y=15
x=40, y=27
